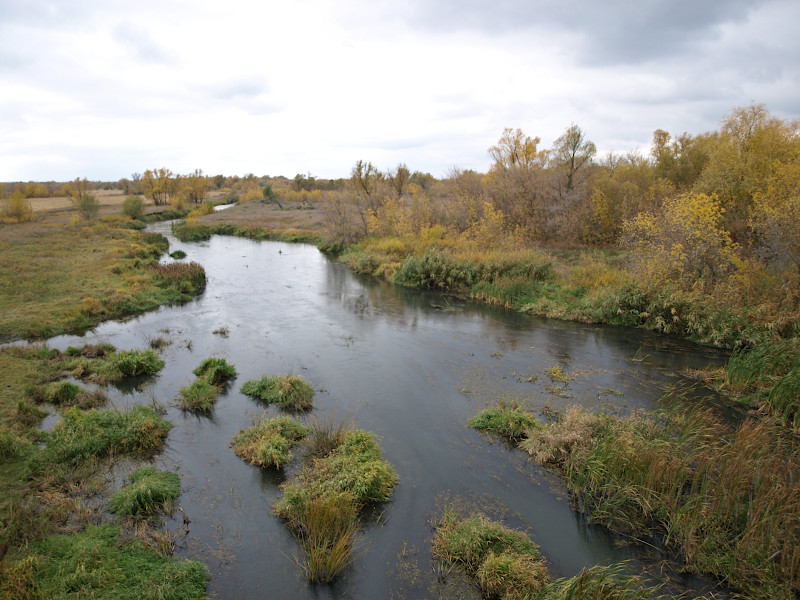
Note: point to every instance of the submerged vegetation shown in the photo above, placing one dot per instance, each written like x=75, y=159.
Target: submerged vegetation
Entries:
x=290, y=392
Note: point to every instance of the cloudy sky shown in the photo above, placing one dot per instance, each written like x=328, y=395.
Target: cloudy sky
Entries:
x=102, y=89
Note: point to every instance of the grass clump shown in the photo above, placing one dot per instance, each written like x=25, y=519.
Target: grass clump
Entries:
x=290, y=392
x=65, y=394
x=149, y=490
x=267, y=444
x=113, y=367
x=98, y=433
x=98, y=563
x=504, y=563
x=178, y=254
x=199, y=396
x=321, y=504
x=13, y=445
x=507, y=419
x=212, y=374
x=215, y=371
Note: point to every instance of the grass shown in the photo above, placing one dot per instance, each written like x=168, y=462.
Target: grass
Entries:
x=267, y=443
x=726, y=503
x=81, y=435
x=322, y=502
x=503, y=562
x=507, y=420
x=290, y=392
x=68, y=279
x=113, y=367
x=98, y=563
x=215, y=371
x=600, y=583
x=149, y=490
x=65, y=394
x=199, y=396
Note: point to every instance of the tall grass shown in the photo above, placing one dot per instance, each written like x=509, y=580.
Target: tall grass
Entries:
x=322, y=502
x=199, y=396
x=81, y=435
x=98, y=563
x=726, y=503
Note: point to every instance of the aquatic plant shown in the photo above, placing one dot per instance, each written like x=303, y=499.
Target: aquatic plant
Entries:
x=287, y=391
x=200, y=396
x=215, y=371
x=149, y=490
x=504, y=563
x=610, y=582
x=322, y=502
x=507, y=419
x=268, y=442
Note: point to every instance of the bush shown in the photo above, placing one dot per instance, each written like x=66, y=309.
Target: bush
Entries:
x=88, y=206
x=289, y=392
x=148, y=491
x=133, y=206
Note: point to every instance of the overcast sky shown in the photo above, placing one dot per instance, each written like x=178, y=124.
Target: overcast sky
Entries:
x=105, y=88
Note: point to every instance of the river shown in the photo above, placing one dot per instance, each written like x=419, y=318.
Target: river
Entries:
x=410, y=366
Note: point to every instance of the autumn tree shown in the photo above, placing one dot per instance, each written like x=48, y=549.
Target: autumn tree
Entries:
x=680, y=160
x=515, y=180
x=86, y=203
x=196, y=186
x=741, y=159
x=398, y=177
x=570, y=158
x=158, y=185
x=686, y=242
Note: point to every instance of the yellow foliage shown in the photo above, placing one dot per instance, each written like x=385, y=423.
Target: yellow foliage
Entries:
x=17, y=209
x=776, y=216
x=686, y=242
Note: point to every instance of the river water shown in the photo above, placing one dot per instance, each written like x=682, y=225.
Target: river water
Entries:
x=410, y=366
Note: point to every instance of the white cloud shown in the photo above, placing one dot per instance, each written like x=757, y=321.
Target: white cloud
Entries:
x=105, y=89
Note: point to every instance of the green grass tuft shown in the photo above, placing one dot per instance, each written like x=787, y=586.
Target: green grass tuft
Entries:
x=149, y=490
x=508, y=420
x=199, y=396
x=215, y=371
x=289, y=392
x=267, y=443
x=98, y=433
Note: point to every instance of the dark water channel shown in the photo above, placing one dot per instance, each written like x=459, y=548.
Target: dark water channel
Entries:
x=408, y=365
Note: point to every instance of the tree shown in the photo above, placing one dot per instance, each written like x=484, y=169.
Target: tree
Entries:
x=516, y=183
x=158, y=185
x=686, y=243
x=195, y=186
x=572, y=153
x=398, y=177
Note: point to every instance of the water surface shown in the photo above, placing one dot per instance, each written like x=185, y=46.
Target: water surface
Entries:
x=410, y=366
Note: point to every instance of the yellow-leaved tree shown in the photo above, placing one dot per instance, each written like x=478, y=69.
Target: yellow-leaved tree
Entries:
x=686, y=243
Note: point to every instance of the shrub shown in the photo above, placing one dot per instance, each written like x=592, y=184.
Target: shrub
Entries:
x=215, y=371
x=133, y=206
x=148, y=491
x=267, y=443
x=288, y=391
x=88, y=206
